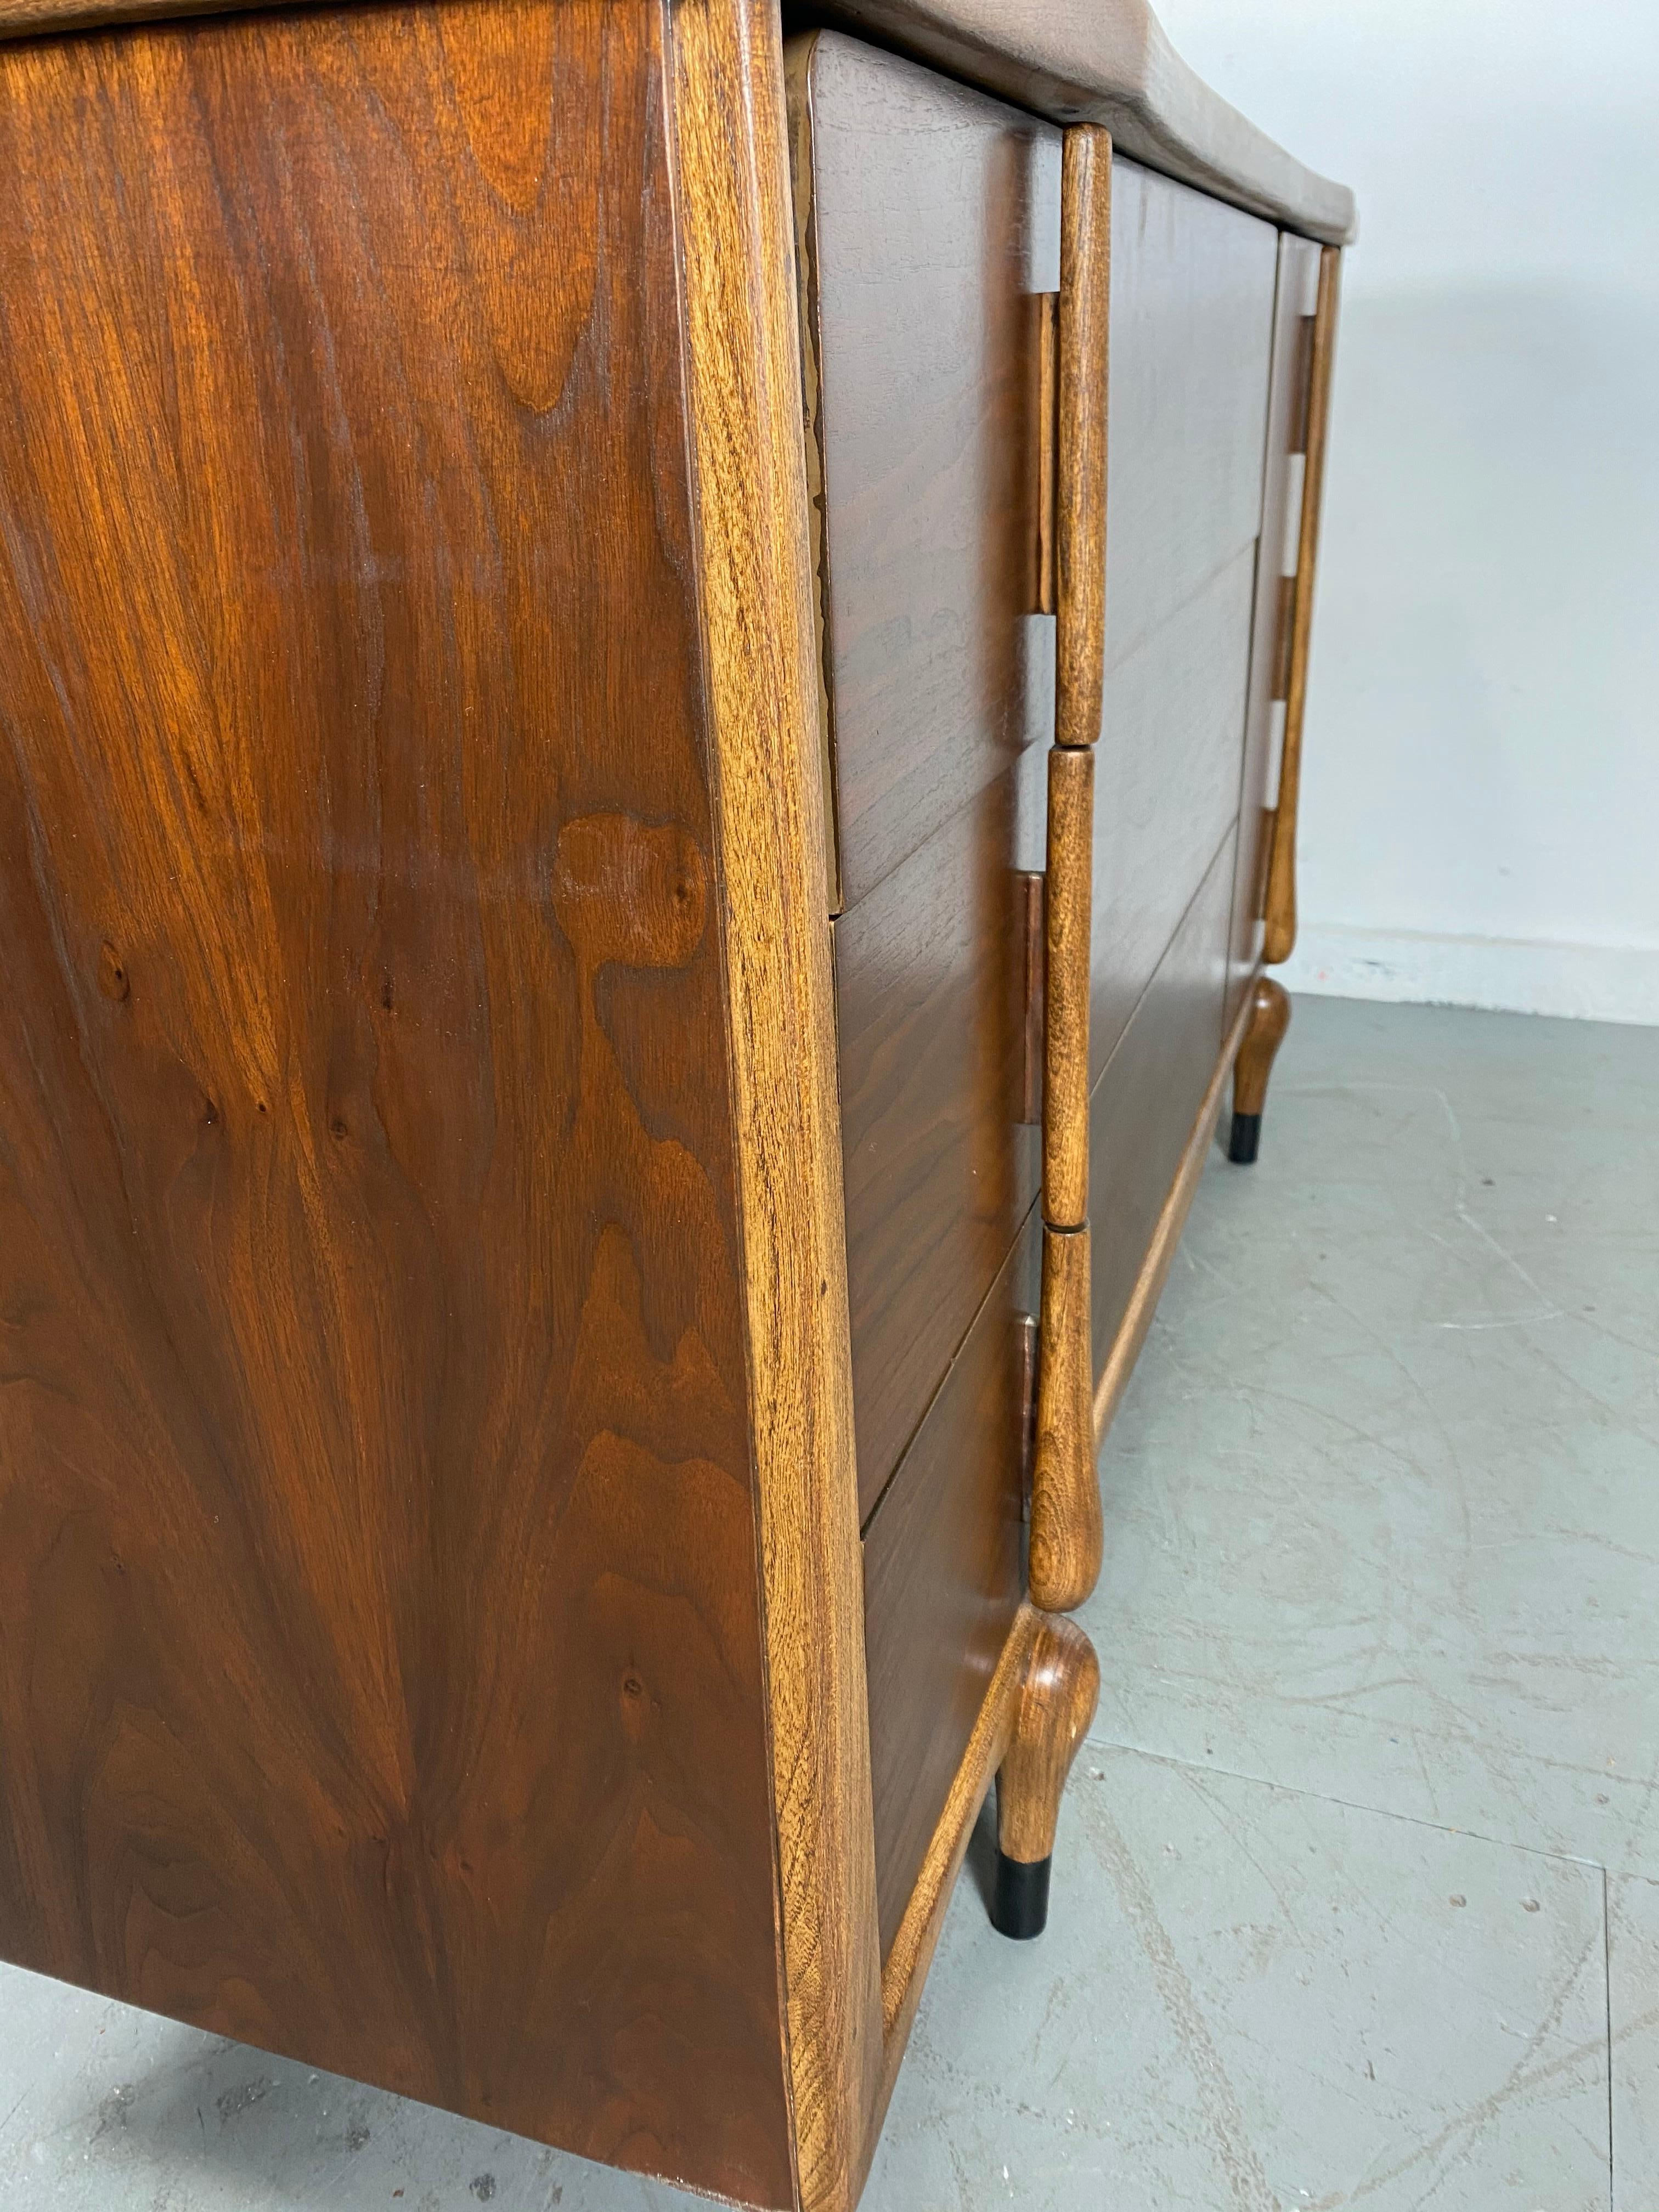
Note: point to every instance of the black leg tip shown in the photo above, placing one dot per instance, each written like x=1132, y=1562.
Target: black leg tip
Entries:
x=1020, y=1908
x=1246, y=1140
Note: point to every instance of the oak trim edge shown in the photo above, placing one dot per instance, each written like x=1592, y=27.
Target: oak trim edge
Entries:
x=743, y=370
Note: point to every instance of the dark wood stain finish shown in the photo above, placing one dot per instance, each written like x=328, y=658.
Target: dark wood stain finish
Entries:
x=380, y=1663
x=943, y=1576
x=1166, y=788
x=931, y=979
x=935, y=216
x=1143, y=1106
x=1191, y=335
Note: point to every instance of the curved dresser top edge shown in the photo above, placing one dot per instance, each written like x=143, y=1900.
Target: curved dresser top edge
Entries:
x=1073, y=61
x=1108, y=61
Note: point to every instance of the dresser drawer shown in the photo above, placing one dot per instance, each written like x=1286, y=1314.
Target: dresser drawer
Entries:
x=1191, y=336
x=930, y=987
x=927, y=215
x=1143, y=1106
x=944, y=1571
x=1166, y=788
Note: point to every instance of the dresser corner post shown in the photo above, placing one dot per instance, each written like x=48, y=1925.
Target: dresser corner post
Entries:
x=735, y=239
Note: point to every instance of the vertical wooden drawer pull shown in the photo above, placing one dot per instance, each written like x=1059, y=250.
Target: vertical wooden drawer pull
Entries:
x=1280, y=903
x=1066, y=1516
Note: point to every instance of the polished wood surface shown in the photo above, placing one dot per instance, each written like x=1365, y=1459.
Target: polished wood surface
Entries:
x=1067, y=939
x=1066, y=1518
x=1059, y=1691
x=931, y=974
x=744, y=376
x=934, y=216
x=1166, y=788
x=1082, y=386
x=1281, y=936
x=1111, y=66
x=943, y=1579
x=1264, y=1032
x=1272, y=621
x=1067, y=1531
x=381, y=1674
x=1191, y=334
x=1144, y=1104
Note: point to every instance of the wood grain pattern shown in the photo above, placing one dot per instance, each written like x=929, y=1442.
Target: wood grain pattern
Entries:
x=934, y=216
x=1085, y=322
x=1268, y=1019
x=1192, y=333
x=1166, y=789
x=943, y=1578
x=1270, y=631
x=744, y=380
x=1066, y=1520
x=1281, y=935
x=381, y=1676
x=1067, y=939
x=1059, y=1691
x=1145, y=1103
x=1142, y=1305
x=1067, y=1530
x=1045, y=428
x=797, y=101
x=930, y=986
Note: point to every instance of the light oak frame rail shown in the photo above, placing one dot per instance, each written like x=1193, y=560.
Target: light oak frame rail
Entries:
x=1280, y=903
x=1066, y=1529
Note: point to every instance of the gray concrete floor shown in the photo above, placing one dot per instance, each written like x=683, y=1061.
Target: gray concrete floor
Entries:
x=1357, y=1890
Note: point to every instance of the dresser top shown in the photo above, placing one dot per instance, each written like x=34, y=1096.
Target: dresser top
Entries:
x=1074, y=61
x=1108, y=61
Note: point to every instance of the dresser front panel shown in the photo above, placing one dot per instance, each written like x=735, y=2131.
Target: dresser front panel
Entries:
x=1191, y=338
x=944, y=1574
x=1145, y=1104
x=381, y=1673
x=939, y=1170
x=1166, y=786
x=932, y=217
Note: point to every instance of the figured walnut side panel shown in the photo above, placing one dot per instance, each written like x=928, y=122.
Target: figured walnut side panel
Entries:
x=380, y=1666
x=745, y=376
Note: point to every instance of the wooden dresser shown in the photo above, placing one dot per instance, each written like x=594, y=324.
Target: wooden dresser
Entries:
x=654, y=662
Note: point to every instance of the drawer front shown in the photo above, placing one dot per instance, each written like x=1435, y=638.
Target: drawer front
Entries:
x=1264, y=722
x=1191, y=338
x=943, y=1573
x=940, y=1172
x=1166, y=788
x=1143, y=1108
x=931, y=214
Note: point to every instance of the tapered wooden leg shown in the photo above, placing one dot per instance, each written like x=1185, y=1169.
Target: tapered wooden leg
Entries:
x=1057, y=1704
x=1270, y=1017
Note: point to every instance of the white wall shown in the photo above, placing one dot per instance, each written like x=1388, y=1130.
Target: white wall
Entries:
x=1480, y=806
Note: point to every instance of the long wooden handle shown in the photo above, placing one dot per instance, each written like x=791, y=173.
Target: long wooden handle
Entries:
x=1280, y=915
x=1066, y=1519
